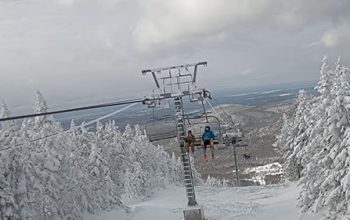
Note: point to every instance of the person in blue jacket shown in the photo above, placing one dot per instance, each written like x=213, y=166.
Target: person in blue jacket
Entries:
x=208, y=139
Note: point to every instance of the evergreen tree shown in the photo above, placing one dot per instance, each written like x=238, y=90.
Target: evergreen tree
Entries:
x=298, y=138
x=50, y=174
x=8, y=138
x=44, y=176
x=113, y=147
x=333, y=163
x=281, y=138
x=77, y=193
x=284, y=144
x=324, y=173
x=315, y=150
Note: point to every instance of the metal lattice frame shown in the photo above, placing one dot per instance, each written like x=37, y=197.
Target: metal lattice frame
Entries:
x=175, y=82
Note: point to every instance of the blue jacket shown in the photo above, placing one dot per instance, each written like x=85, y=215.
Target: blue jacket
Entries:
x=208, y=135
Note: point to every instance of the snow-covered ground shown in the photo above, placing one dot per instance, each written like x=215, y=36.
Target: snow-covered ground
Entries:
x=239, y=203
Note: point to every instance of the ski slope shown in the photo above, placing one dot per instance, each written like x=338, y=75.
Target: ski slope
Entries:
x=243, y=203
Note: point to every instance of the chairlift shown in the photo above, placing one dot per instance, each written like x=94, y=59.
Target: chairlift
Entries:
x=195, y=97
x=150, y=103
x=161, y=129
x=162, y=103
x=198, y=123
x=164, y=128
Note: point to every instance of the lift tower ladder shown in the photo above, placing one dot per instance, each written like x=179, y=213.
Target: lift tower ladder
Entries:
x=188, y=178
x=174, y=83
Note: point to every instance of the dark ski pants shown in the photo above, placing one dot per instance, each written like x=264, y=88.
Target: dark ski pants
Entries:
x=205, y=144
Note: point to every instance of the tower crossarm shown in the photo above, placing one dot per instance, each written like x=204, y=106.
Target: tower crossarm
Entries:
x=180, y=79
x=183, y=66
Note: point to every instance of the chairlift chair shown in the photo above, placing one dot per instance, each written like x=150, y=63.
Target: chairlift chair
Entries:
x=161, y=128
x=197, y=125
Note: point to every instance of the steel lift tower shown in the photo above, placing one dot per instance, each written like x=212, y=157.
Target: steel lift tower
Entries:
x=174, y=83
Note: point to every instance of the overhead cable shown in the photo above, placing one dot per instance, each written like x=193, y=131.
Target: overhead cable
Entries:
x=124, y=102
x=73, y=128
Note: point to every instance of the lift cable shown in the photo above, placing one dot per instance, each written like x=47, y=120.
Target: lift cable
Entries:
x=71, y=129
x=222, y=109
x=218, y=115
x=124, y=102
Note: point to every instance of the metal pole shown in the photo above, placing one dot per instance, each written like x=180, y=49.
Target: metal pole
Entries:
x=205, y=111
x=195, y=74
x=235, y=156
x=220, y=134
x=156, y=80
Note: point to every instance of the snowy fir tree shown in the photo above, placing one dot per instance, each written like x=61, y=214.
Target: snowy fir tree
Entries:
x=316, y=142
x=48, y=173
x=114, y=145
x=324, y=135
x=8, y=138
x=46, y=156
x=216, y=182
x=330, y=158
x=284, y=144
x=334, y=187
x=281, y=138
x=105, y=195
x=297, y=139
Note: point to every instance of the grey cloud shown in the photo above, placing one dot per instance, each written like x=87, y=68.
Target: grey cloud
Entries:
x=174, y=22
x=94, y=50
x=337, y=36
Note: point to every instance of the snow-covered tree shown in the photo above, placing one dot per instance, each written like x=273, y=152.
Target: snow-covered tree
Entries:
x=8, y=138
x=48, y=173
x=76, y=194
x=104, y=189
x=8, y=129
x=47, y=155
x=283, y=143
x=216, y=182
x=316, y=150
x=281, y=138
x=332, y=163
x=113, y=147
x=324, y=182
x=297, y=138
x=7, y=200
x=15, y=172
x=128, y=132
x=151, y=166
x=176, y=170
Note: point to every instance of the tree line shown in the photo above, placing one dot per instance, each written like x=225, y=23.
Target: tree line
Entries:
x=315, y=142
x=76, y=172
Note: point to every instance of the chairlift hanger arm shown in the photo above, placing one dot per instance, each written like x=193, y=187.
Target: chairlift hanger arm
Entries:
x=156, y=80
x=195, y=74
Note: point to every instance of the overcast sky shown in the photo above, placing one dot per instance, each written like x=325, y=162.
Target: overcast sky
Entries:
x=91, y=51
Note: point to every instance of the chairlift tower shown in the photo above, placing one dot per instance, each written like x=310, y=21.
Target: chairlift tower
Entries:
x=174, y=83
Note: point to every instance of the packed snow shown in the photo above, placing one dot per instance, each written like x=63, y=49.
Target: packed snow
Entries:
x=219, y=203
